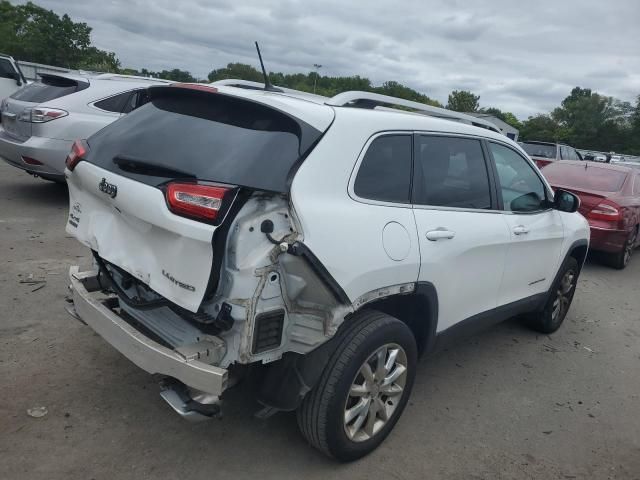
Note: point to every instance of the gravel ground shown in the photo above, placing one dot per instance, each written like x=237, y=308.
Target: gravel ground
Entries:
x=504, y=404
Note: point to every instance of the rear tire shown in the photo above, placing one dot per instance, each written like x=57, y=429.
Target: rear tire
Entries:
x=621, y=259
x=363, y=389
x=550, y=318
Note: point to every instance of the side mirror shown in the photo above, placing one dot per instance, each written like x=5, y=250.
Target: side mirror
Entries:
x=566, y=201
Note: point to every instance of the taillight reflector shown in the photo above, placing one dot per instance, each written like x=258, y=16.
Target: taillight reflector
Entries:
x=78, y=151
x=31, y=161
x=195, y=200
x=608, y=211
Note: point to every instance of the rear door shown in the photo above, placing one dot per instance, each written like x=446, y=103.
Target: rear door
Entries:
x=463, y=239
x=123, y=199
x=536, y=229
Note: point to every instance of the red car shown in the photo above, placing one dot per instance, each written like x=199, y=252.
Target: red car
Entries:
x=544, y=153
x=610, y=201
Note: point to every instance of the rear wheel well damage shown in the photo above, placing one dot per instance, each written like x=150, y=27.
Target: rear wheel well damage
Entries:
x=286, y=382
x=418, y=310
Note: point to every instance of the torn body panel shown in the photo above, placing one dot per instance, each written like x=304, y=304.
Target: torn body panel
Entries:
x=259, y=279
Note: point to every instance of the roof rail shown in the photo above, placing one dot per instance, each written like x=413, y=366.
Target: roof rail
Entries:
x=373, y=100
x=120, y=76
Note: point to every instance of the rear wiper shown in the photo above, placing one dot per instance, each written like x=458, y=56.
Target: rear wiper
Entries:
x=143, y=167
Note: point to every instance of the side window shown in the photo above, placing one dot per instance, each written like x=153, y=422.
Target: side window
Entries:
x=385, y=171
x=522, y=190
x=114, y=104
x=451, y=172
x=6, y=69
x=137, y=99
x=563, y=153
x=636, y=185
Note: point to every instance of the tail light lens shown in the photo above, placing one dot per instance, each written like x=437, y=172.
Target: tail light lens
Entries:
x=608, y=211
x=78, y=150
x=41, y=115
x=200, y=202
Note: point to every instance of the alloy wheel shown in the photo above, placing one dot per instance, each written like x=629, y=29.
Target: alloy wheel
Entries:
x=563, y=296
x=629, y=247
x=375, y=392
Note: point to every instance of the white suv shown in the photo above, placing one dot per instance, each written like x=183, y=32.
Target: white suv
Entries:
x=41, y=121
x=324, y=245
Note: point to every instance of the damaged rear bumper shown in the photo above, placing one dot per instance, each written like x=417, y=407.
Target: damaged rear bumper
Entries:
x=151, y=356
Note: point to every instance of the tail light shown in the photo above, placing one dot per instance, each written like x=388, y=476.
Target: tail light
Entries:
x=78, y=151
x=41, y=115
x=200, y=202
x=607, y=210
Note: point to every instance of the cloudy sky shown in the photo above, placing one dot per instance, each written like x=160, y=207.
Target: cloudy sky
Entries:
x=522, y=57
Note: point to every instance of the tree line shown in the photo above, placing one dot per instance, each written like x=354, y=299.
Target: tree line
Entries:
x=585, y=119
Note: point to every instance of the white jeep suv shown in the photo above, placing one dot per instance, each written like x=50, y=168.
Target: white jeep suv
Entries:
x=321, y=245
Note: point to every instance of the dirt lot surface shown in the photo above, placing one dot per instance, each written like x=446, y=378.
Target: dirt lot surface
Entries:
x=505, y=404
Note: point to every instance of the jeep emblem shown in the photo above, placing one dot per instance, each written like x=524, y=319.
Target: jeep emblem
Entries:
x=108, y=188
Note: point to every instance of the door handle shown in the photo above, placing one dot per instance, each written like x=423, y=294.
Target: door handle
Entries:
x=440, y=234
x=520, y=230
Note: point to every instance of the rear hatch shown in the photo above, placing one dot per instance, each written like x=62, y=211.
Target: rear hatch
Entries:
x=207, y=146
x=16, y=118
x=540, y=152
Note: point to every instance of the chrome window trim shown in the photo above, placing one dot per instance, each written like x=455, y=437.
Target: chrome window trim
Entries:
x=356, y=169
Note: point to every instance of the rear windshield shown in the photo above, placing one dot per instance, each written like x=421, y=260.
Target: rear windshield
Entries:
x=207, y=136
x=539, y=150
x=48, y=88
x=590, y=178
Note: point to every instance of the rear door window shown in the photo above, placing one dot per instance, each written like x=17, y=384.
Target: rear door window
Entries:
x=385, y=171
x=450, y=172
x=49, y=88
x=522, y=190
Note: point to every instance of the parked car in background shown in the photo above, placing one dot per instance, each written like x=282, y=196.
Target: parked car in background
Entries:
x=11, y=78
x=594, y=157
x=543, y=153
x=325, y=245
x=41, y=120
x=628, y=164
x=610, y=201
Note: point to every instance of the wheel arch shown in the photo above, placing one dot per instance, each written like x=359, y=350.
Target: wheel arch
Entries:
x=418, y=310
x=577, y=250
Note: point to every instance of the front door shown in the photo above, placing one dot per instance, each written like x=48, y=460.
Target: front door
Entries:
x=536, y=230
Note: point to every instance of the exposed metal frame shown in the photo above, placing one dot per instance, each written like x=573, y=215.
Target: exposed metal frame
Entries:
x=372, y=100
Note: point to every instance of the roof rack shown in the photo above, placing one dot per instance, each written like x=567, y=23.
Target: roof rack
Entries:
x=373, y=100
x=119, y=76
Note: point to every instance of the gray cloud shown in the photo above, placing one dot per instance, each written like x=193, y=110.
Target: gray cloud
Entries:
x=522, y=59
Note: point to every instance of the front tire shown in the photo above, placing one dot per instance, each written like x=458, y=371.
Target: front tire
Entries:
x=363, y=389
x=549, y=319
